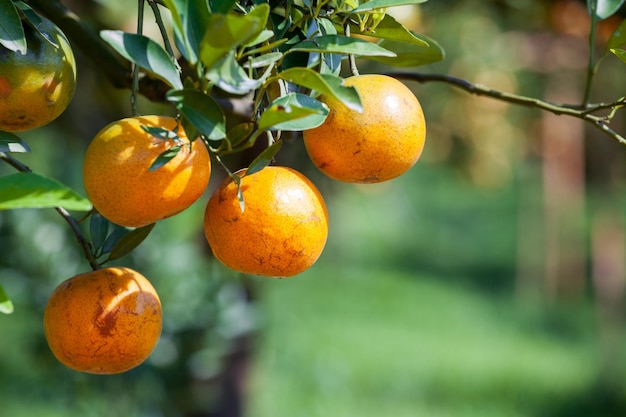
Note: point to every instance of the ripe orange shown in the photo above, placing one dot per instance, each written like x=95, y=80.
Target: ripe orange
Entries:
x=117, y=175
x=37, y=87
x=282, y=229
x=377, y=145
x=104, y=322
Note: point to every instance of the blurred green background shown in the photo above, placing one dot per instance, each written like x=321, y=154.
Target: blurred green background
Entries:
x=487, y=281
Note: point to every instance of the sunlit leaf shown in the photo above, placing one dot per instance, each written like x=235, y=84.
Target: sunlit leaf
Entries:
x=146, y=53
x=409, y=54
x=326, y=84
x=377, y=4
x=264, y=158
x=390, y=28
x=190, y=18
x=229, y=76
x=38, y=23
x=605, y=8
x=201, y=110
x=620, y=53
x=618, y=37
x=225, y=32
x=6, y=306
x=12, y=143
x=265, y=35
x=339, y=44
x=293, y=111
x=129, y=242
x=29, y=190
x=263, y=61
x=11, y=29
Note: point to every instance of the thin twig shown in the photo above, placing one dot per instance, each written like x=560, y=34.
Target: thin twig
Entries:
x=135, y=86
x=82, y=240
x=591, y=68
x=159, y=20
x=351, y=58
x=580, y=112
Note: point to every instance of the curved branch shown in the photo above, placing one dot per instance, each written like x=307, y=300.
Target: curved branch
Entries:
x=82, y=241
x=581, y=112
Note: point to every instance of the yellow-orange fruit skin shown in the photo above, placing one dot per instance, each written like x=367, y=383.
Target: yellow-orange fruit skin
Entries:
x=103, y=322
x=35, y=88
x=282, y=229
x=379, y=144
x=117, y=175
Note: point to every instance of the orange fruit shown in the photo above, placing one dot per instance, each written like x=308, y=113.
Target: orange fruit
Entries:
x=381, y=143
x=282, y=229
x=117, y=174
x=35, y=88
x=105, y=321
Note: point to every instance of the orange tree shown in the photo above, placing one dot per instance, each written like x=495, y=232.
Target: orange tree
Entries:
x=286, y=60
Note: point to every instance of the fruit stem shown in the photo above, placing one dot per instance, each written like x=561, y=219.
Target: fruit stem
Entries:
x=135, y=87
x=82, y=241
x=351, y=59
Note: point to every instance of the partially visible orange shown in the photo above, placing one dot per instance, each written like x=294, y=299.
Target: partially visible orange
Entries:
x=37, y=87
x=117, y=175
x=104, y=322
x=282, y=229
x=381, y=143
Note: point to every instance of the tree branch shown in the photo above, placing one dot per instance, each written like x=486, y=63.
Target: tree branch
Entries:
x=583, y=112
x=82, y=241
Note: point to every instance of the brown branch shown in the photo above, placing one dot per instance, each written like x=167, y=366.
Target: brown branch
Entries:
x=580, y=112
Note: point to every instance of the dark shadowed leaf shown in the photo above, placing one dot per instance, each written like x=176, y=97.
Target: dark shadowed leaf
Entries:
x=98, y=229
x=12, y=143
x=326, y=84
x=29, y=190
x=264, y=158
x=293, y=111
x=6, y=306
x=240, y=133
x=201, y=110
x=221, y=6
x=146, y=53
x=130, y=241
x=11, y=29
x=164, y=158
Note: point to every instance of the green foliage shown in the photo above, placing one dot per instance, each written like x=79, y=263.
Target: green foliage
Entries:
x=145, y=53
x=30, y=190
x=6, y=305
x=603, y=9
x=201, y=111
x=11, y=30
x=12, y=143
